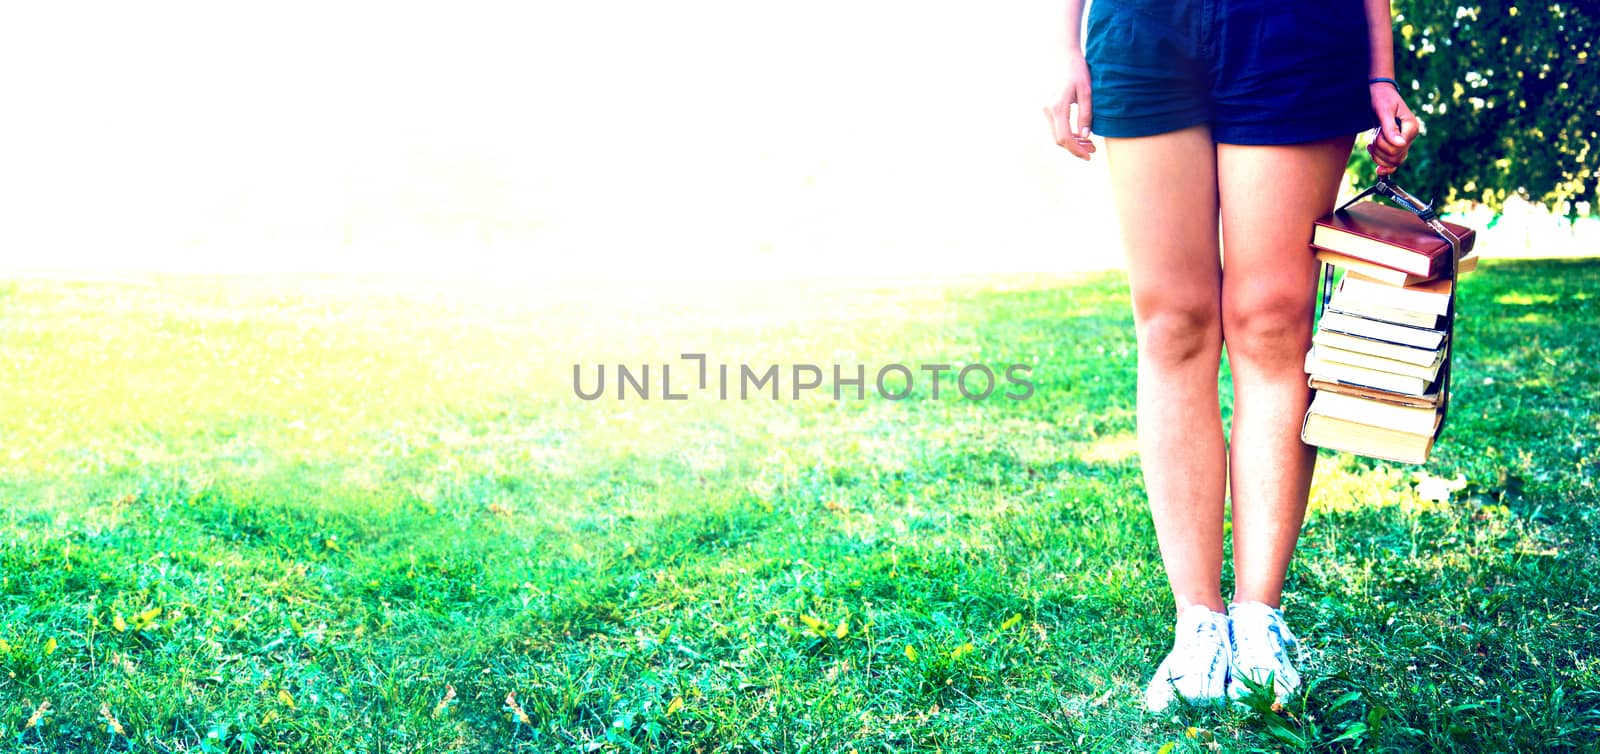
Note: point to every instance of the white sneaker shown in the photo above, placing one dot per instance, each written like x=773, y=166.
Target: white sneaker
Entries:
x=1261, y=642
x=1197, y=668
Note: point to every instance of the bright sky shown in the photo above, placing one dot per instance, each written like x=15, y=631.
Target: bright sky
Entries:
x=706, y=137
x=694, y=139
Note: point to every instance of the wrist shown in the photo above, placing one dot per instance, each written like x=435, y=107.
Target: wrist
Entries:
x=1383, y=81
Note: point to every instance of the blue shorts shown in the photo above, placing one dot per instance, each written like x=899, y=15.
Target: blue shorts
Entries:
x=1255, y=71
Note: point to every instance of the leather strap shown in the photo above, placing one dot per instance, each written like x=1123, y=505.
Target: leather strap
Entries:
x=1386, y=187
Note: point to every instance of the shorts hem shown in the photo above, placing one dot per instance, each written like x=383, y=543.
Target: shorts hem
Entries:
x=1279, y=133
x=1129, y=128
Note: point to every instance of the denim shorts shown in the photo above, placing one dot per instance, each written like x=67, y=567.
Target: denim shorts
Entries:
x=1255, y=71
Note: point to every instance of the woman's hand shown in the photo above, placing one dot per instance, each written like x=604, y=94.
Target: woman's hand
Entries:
x=1072, y=131
x=1396, y=130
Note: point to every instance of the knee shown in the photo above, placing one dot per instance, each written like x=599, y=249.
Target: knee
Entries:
x=1178, y=334
x=1276, y=328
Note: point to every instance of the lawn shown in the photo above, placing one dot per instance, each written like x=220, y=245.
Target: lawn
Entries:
x=369, y=514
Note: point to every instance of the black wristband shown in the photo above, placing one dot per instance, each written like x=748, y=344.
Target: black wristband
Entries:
x=1382, y=80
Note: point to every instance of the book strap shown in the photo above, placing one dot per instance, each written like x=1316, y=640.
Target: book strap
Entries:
x=1386, y=187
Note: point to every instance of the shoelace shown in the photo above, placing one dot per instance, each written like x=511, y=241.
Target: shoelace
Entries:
x=1207, y=633
x=1278, y=640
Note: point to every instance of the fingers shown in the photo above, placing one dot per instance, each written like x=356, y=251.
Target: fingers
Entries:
x=1408, y=127
x=1385, y=165
x=1385, y=155
x=1085, y=115
x=1079, y=134
x=1059, y=131
x=1071, y=130
x=1398, y=127
x=1389, y=130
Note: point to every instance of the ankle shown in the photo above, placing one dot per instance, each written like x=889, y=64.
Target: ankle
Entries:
x=1244, y=598
x=1212, y=602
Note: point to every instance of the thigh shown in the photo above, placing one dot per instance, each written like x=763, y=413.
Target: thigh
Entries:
x=1270, y=196
x=1165, y=188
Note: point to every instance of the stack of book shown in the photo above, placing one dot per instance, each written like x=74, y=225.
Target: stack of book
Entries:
x=1381, y=349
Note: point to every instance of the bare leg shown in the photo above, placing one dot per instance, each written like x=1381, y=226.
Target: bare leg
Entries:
x=1166, y=194
x=1270, y=196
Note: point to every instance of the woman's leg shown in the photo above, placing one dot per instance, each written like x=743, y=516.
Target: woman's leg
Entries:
x=1165, y=188
x=1270, y=195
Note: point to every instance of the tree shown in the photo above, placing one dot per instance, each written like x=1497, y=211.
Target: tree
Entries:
x=1509, y=97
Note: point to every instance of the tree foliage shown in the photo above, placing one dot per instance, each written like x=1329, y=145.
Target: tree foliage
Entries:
x=1509, y=96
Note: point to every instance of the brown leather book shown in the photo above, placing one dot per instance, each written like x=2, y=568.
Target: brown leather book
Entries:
x=1389, y=237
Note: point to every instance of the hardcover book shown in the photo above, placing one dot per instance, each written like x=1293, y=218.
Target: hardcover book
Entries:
x=1426, y=357
x=1370, y=310
x=1376, y=329
x=1377, y=363
x=1431, y=298
x=1364, y=439
x=1389, y=237
x=1387, y=275
x=1427, y=400
x=1373, y=378
x=1415, y=420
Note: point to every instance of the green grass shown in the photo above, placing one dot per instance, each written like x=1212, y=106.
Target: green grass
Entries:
x=286, y=514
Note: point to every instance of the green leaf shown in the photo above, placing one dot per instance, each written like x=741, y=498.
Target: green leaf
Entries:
x=1352, y=733
x=1344, y=699
x=1279, y=730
